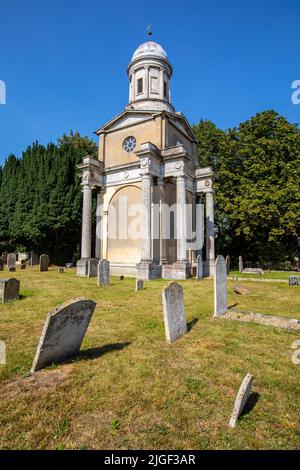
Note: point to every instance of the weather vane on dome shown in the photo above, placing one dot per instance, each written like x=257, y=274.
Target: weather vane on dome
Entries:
x=149, y=30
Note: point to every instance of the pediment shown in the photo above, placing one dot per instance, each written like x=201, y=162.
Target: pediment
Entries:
x=126, y=118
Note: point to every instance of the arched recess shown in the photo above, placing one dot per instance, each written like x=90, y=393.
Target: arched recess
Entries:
x=124, y=239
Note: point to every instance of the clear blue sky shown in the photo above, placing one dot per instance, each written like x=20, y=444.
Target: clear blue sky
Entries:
x=64, y=61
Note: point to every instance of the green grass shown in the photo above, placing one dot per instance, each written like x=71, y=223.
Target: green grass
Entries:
x=266, y=275
x=129, y=389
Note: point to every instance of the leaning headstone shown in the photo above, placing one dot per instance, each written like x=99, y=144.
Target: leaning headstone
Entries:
x=44, y=263
x=294, y=281
x=1, y=264
x=11, y=262
x=9, y=290
x=228, y=264
x=174, y=312
x=103, y=273
x=23, y=264
x=63, y=332
x=139, y=285
x=61, y=270
x=241, y=399
x=241, y=264
x=199, y=267
x=220, y=287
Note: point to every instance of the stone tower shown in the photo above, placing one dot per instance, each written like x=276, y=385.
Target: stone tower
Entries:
x=147, y=157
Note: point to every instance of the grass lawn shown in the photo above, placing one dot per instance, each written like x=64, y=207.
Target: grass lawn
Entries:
x=129, y=389
x=272, y=275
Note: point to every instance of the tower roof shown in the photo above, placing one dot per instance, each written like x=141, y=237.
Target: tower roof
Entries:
x=150, y=48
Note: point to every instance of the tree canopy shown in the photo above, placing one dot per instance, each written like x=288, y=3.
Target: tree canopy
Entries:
x=257, y=188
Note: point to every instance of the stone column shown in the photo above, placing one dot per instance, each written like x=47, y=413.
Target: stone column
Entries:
x=147, y=81
x=181, y=217
x=147, y=183
x=99, y=222
x=162, y=222
x=86, y=222
x=210, y=232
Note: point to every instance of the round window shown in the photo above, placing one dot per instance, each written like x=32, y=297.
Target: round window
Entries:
x=129, y=144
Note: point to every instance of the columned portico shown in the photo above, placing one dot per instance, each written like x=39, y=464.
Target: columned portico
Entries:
x=86, y=222
x=210, y=233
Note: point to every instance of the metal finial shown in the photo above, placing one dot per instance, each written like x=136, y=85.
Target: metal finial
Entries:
x=149, y=30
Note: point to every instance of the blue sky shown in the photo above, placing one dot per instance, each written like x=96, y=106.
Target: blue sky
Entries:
x=64, y=62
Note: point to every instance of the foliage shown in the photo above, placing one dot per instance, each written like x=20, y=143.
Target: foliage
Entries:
x=40, y=198
x=257, y=186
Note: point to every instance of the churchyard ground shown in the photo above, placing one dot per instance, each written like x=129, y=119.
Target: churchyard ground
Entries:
x=129, y=389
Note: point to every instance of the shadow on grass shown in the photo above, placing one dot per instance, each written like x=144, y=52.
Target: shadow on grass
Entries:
x=94, y=353
x=232, y=306
x=191, y=324
x=251, y=403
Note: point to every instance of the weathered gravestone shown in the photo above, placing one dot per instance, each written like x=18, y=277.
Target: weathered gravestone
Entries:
x=122, y=278
x=241, y=290
x=61, y=270
x=34, y=259
x=9, y=290
x=139, y=285
x=294, y=281
x=220, y=287
x=92, y=266
x=23, y=264
x=1, y=264
x=228, y=264
x=253, y=271
x=199, y=267
x=103, y=273
x=44, y=263
x=174, y=312
x=241, y=399
x=241, y=264
x=11, y=262
x=2, y=353
x=63, y=332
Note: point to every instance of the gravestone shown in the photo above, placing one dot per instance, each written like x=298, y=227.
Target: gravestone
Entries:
x=23, y=264
x=4, y=256
x=61, y=270
x=44, y=263
x=174, y=312
x=241, y=399
x=228, y=264
x=34, y=259
x=1, y=264
x=2, y=353
x=92, y=266
x=103, y=273
x=199, y=267
x=253, y=271
x=9, y=290
x=122, y=278
x=139, y=285
x=220, y=287
x=294, y=281
x=241, y=290
x=11, y=262
x=241, y=265
x=63, y=332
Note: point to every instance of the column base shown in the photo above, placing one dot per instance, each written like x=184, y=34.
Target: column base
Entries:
x=180, y=271
x=146, y=270
x=87, y=267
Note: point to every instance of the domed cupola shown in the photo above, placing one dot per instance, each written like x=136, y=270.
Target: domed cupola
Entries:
x=150, y=73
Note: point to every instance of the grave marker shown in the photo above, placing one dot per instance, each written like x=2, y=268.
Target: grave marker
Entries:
x=220, y=287
x=199, y=267
x=103, y=273
x=44, y=263
x=63, y=332
x=174, y=312
x=9, y=290
x=241, y=399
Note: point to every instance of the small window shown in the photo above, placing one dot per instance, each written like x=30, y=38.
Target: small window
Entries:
x=140, y=85
x=165, y=90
